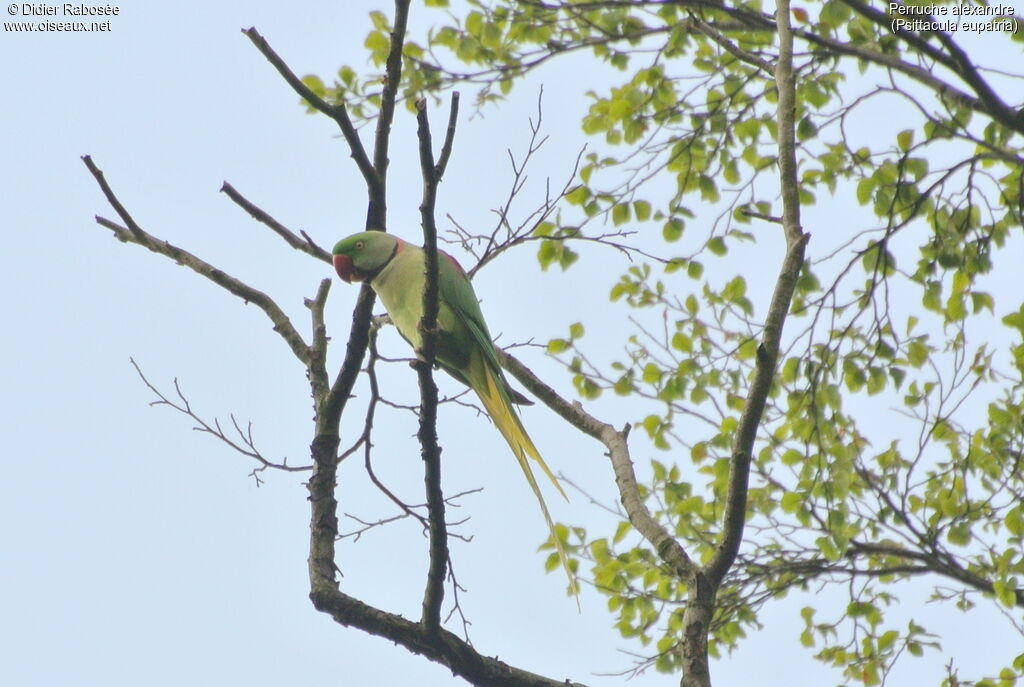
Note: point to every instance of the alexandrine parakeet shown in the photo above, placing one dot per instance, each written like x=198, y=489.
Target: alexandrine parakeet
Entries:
x=396, y=271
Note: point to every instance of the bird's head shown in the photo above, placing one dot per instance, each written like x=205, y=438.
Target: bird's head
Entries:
x=361, y=256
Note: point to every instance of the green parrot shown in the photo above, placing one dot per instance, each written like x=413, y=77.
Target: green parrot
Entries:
x=396, y=271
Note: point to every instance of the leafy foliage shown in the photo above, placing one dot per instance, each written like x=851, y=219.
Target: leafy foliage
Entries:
x=892, y=441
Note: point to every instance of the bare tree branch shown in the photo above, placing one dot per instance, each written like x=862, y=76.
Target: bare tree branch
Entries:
x=955, y=59
x=730, y=47
x=376, y=215
x=247, y=447
x=317, y=366
x=445, y=648
x=305, y=244
x=449, y=137
x=135, y=234
x=618, y=451
x=433, y=594
x=339, y=113
x=767, y=357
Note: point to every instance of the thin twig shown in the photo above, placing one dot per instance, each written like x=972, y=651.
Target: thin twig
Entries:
x=135, y=234
x=339, y=113
x=730, y=47
x=305, y=244
x=247, y=447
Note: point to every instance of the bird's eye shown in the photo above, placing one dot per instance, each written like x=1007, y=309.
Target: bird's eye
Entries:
x=359, y=245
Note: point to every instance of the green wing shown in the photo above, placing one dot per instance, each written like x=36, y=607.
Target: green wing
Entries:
x=457, y=293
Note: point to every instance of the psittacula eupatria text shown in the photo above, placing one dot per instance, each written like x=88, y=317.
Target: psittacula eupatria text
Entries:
x=396, y=271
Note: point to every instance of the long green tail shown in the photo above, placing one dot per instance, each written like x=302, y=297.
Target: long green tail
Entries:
x=508, y=423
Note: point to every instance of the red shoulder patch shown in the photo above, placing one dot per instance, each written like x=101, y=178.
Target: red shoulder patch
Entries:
x=454, y=262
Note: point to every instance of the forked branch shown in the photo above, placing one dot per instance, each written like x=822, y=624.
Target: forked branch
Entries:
x=244, y=444
x=131, y=232
x=433, y=594
x=339, y=113
x=425, y=637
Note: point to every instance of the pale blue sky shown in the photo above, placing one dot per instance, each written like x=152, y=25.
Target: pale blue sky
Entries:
x=136, y=551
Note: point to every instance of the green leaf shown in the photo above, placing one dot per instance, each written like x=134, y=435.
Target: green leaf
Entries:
x=735, y=289
x=864, y=188
x=699, y=452
x=1015, y=320
x=790, y=368
x=380, y=21
x=717, y=246
x=888, y=639
x=806, y=129
x=474, y=23
x=652, y=373
x=791, y=502
x=621, y=530
x=620, y=213
x=904, y=139
x=491, y=38
x=586, y=386
x=578, y=195
x=1014, y=520
x=672, y=229
x=980, y=301
x=546, y=253
x=567, y=257
x=544, y=229
x=623, y=386
x=599, y=550
x=917, y=352
x=960, y=534
x=708, y=189
x=1005, y=591
x=557, y=345
x=792, y=457
x=828, y=548
x=642, y=210
x=313, y=83
x=379, y=45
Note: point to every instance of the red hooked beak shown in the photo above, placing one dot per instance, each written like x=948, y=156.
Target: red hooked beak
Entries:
x=344, y=267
